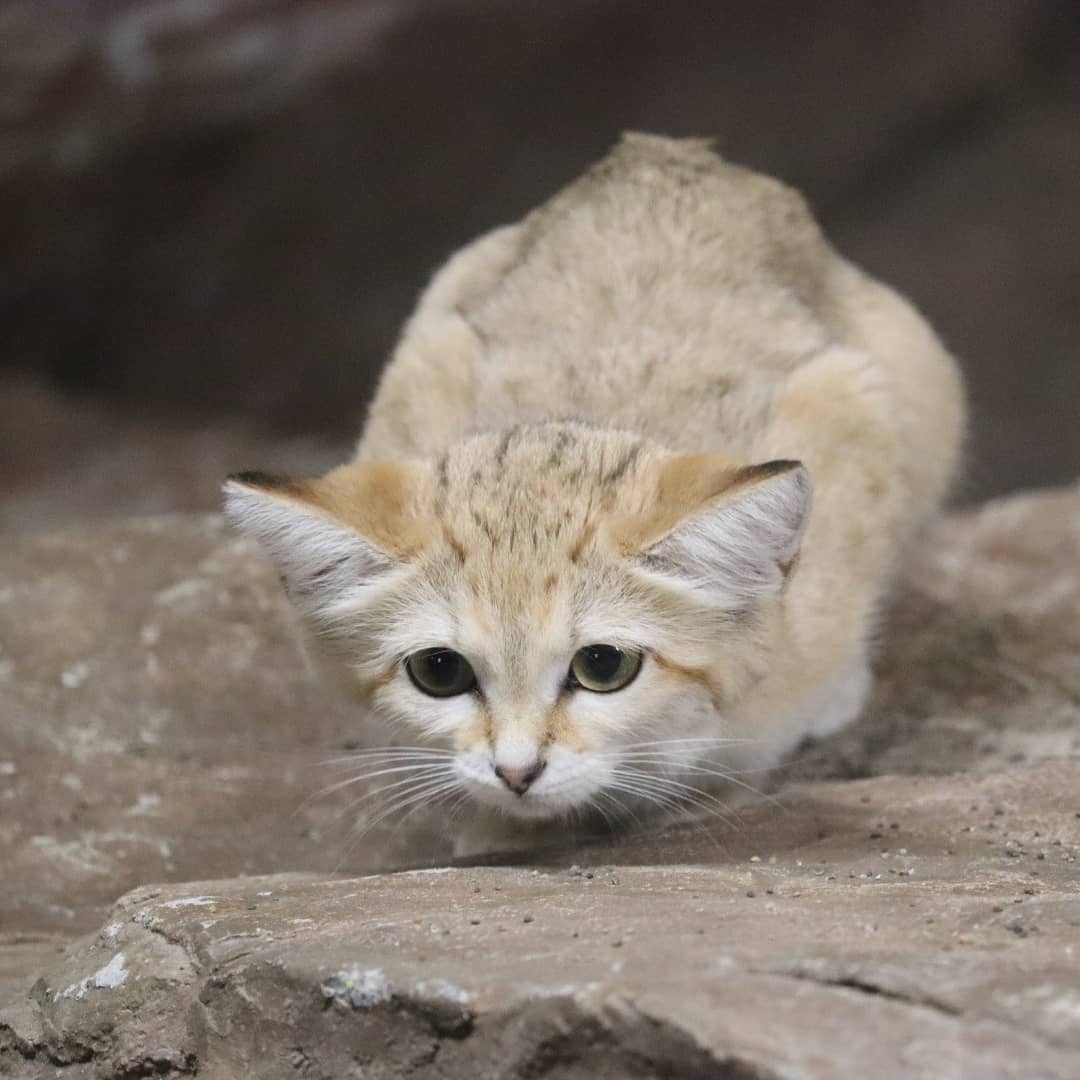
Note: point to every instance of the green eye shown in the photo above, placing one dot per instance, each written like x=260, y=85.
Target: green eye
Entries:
x=440, y=672
x=604, y=668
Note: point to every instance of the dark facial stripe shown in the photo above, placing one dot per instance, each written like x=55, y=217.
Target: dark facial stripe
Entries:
x=619, y=470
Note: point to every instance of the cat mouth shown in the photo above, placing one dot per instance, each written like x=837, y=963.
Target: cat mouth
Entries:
x=530, y=804
x=567, y=783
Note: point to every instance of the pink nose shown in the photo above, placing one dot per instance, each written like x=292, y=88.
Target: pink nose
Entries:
x=519, y=780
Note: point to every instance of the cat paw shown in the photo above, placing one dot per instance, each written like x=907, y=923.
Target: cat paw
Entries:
x=840, y=700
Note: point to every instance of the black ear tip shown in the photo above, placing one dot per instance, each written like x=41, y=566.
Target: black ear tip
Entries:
x=256, y=479
x=775, y=468
x=753, y=474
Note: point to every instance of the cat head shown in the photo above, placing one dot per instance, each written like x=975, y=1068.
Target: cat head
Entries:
x=562, y=609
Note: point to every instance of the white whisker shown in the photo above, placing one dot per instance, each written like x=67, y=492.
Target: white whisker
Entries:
x=389, y=754
x=665, y=802
x=680, y=763
x=729, y=776
x=677, y=789
x=403, y=800
x=620, y=808
x=427, y=789
x=715, y=740
x=428, y=802
x=594, y=803
x=417, y=770
x=455, y=808
x=426, y=778
x=675, y=807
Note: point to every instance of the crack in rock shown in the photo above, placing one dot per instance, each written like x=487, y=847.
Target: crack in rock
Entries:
x=864, y=986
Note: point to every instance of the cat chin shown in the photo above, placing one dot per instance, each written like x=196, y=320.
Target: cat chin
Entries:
x=525, y=810
x=532, y=806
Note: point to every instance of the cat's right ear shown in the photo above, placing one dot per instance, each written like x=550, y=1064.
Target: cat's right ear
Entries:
x=333, y=536
x=729, y=533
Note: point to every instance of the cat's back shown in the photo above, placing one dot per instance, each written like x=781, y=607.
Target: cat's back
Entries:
x=665, y=291
x=673, y=206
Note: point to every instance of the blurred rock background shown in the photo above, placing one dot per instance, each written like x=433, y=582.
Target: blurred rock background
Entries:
x=215, y=214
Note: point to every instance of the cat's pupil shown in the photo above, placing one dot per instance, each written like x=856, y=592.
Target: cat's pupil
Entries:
x=443, y=667
x=603, y=668
x=602, y=661
x=440, y=672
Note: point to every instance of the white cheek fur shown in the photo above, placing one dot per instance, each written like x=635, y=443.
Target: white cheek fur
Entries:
x=436, y=718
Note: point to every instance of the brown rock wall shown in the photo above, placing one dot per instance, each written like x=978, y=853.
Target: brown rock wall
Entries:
x=229, y=208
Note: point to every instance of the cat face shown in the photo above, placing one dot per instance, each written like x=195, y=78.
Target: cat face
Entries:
x=560, y=613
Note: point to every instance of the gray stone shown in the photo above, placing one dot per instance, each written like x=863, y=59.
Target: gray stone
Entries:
x=820, y=941
x=159, y=725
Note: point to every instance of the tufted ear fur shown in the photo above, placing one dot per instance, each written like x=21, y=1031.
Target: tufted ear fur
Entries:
x=729, y=533
x=335, y=535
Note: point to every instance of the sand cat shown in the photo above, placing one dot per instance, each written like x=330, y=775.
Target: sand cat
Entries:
x=629, y=498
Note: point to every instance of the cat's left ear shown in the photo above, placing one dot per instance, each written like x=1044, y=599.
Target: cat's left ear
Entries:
x=333, y=535
x=730, y=533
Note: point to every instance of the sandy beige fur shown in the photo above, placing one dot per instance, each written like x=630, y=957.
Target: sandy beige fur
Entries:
x=607, y=420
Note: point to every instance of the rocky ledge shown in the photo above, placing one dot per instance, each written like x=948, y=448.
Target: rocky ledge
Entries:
x=908, y=901
x=903, y=926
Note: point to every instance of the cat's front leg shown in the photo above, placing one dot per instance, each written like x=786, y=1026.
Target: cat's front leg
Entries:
x=839, y=700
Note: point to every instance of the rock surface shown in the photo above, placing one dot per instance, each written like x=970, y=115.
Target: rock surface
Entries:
x=67, y=460
x=902, y=927
x=159, y=726
x=159, y=722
